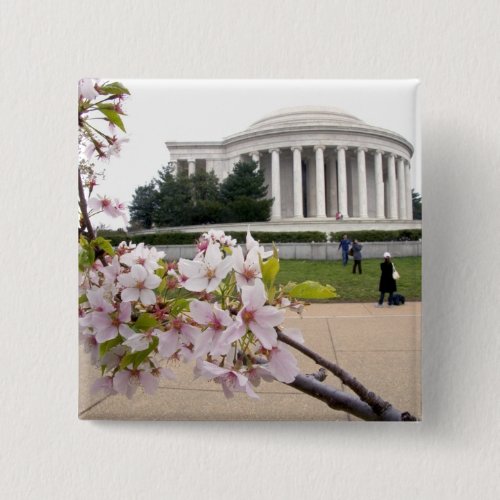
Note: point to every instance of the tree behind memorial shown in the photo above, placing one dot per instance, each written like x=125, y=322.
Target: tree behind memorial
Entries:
x=244, y=194
x=417, y=205
x=144, y=205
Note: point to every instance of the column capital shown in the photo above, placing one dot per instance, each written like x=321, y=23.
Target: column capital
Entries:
x=252, y=153
x=378, y=151
x=319, y=146
x=272, y=150
x=360, y=149
x=191, y=160
x=341, y=148
x=391, y=155
x=298, y=148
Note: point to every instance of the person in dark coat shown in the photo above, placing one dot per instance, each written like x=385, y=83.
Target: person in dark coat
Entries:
x=356, y=255
x=387, y=282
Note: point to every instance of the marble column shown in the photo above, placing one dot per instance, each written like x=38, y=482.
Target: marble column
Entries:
x=191, y=166
x=409, y=198
x=342, y=181
x=393, y=194
x=362, y=190
x=298, y=209
x=275, y=183
x=320, y=182
x=401, y=189
x=255, y=156
x=332, y=206
x=379, y=186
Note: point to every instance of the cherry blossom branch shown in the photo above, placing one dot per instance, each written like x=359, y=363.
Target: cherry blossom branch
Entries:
x=341, y=401
x=83, y=208
x=376, y=403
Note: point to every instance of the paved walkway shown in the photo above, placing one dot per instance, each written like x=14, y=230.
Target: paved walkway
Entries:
x=380, y=347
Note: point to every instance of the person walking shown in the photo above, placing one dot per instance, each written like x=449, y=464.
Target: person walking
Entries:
x=344, y=244
x=387, y=282
x=356, y=254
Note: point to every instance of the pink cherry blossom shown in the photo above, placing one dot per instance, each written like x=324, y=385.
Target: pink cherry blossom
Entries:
x=216, y=320
x=90, y=345
x=139, y=285
x=112, y=271
x=108, y=326
x=110, y=207
x=205, y=274
x=103, y=384
x=144, y=256
x=97, y=300
x=259, y=318
x=247, y=270
x=86, y=88
x=102, y=203
x=140, y=341
x=230, y=380
x=256, y=373
x=116, y=147
x=178, y=335
x=252, y=244
x=282, y=364
x=128, y=381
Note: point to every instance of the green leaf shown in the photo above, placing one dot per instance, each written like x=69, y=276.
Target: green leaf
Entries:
x=104, y=244
x=106, y=346
x=82, y=299
x=126, y=360
x=162, y=286
x=86, y=258
x=269, y=269
x=141, y=356
x=180, y=305
x=106, y=105
x=113, y=117
x=145, y=322
x=312, y=290
x=114, y=88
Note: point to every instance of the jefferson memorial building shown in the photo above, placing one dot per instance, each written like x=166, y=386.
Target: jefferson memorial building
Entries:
x=317, y=162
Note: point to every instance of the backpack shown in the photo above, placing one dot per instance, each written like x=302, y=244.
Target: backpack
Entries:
x=398, y=299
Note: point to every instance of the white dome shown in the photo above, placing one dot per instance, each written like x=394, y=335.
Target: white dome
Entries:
x=305, y=115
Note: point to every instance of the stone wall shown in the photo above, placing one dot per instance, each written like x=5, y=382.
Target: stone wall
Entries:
x=316, y=251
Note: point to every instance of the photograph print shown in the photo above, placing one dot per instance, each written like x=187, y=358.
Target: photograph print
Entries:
x=249, y=250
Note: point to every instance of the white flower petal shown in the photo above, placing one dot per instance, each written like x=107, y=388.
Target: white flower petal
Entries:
x=201, y=312
x=148, y=297
x=266, y=334
x=196, y=284
x=139, y=273
x=152, y=281
x=130, y=294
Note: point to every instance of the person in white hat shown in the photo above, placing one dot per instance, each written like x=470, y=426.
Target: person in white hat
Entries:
x=387, y=282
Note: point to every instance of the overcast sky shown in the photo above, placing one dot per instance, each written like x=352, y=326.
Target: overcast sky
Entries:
x=204, y=110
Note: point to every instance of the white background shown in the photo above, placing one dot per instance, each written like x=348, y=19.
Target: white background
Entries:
x=452, y=46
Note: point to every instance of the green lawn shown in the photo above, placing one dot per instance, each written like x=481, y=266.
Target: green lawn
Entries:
x=354, y=287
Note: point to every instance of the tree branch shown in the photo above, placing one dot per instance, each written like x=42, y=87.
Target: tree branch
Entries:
x=341, y=401
x=82, y=201
x=376, y=403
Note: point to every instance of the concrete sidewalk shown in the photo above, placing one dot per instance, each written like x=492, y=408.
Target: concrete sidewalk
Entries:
x=380, y=347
